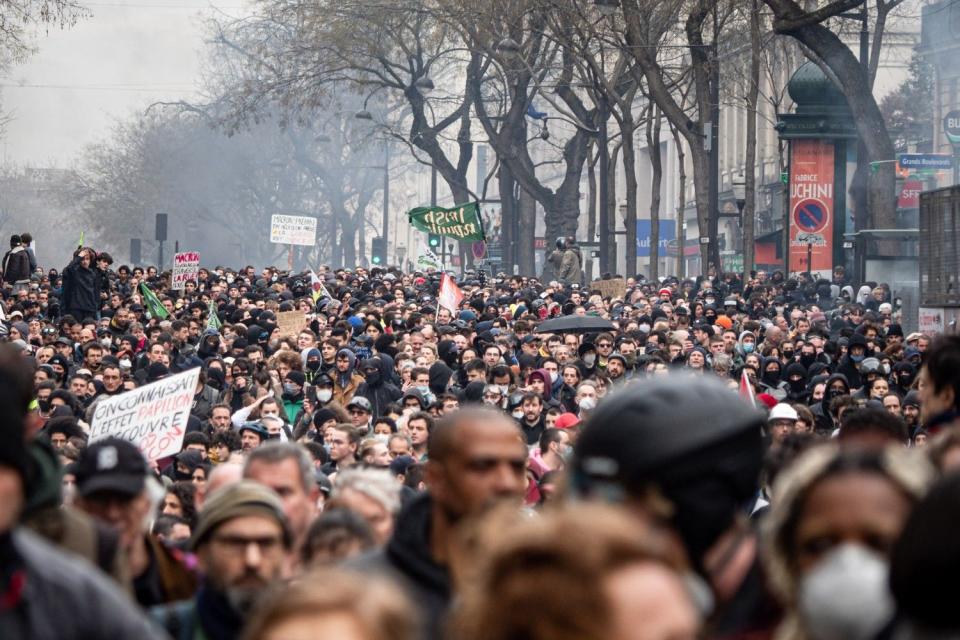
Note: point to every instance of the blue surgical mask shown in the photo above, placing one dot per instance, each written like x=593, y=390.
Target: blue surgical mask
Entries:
x=859, y=358
x=748, y=347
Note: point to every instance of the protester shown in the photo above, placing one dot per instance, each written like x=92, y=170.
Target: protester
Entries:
x=835, y=516
x=335, y=604
x=476, y=459
x=241, y=542
x=457, y=404
x=577, y=572
x=47, y=594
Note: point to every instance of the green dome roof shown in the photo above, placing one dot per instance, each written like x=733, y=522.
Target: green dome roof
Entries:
x=810, y=87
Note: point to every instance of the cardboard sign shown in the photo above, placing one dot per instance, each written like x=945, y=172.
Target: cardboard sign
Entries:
x=291, y=322
x=153, y=417
x=298, y=230
x=613, y=288
x=186, y=268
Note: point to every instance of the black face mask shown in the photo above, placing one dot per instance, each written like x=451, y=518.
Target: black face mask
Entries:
x=772, y=377
x=313, y=365
x=788, y=355
x=807, y=359
x=797, y=385
x=836, y=393
x=905, y=380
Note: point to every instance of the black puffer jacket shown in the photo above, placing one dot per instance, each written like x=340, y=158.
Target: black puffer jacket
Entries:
x=81, y=290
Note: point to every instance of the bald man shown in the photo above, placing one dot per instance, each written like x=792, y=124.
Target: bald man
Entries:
x=476, y=458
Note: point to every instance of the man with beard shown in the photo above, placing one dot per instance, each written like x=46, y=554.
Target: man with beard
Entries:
x=476, y=458
x=241, y=541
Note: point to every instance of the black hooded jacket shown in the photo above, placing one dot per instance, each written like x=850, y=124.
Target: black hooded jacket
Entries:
x=407, y=559
x=377, y=389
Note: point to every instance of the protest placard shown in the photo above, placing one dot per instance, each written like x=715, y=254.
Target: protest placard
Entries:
x=153, y=417
x=291, y=322
x=298, y=230
x=613, y=288
x=186, y=268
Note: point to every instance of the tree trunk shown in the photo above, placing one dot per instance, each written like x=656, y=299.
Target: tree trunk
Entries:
x=528, y=213
x=591, y=208
x=508, y=218
x=750, y=162
x=693, y=132
x=656, y=180
x=348, y=245
x=681, y=204
x=630, y=183
x=612, y=211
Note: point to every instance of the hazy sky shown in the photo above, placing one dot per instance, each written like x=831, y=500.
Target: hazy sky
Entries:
x=129, y=54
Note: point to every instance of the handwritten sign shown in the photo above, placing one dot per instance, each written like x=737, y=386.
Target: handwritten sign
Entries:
x=291, y=322
x=298, y=230
x=153, y=417
x=613, y=288
x=186, y=268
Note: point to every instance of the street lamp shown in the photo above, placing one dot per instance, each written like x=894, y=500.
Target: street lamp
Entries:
x=366, y=115
x=740, y=193
x=606, y=7
x=508, y=45
x=424, y=85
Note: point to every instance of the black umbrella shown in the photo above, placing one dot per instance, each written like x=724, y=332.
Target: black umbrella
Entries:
x=575, y=324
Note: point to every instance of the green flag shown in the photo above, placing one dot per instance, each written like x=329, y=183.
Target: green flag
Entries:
x=213, y=321
x=462, y=222
x=152, y=302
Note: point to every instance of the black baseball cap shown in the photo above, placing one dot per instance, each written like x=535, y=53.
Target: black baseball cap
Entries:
x=112, y=465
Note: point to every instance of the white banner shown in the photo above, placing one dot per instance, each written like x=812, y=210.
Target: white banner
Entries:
x=153, y=417
x=428, y=260
x=186, y=268
x=298, y=230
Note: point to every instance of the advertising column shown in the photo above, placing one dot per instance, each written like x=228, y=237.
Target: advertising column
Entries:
x=811, y=207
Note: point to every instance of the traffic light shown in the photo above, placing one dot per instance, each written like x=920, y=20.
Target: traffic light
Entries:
x=433, y=241
x=379, y=252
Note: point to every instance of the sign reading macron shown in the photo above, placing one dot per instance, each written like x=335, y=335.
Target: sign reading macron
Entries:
x=153, y=417
x=186, y=268
x=298, y=230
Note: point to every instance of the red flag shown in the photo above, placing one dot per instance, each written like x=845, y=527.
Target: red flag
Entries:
x=746, y=389
x=450, y=294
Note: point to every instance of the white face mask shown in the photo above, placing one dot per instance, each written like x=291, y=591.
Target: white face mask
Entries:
x=846, y=595
x=517, y=413
x=644, y=328
x=588, y=404
x=589, y=359
x=324, y=395
x=554, y=376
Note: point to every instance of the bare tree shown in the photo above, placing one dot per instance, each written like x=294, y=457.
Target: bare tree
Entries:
x=808, y=26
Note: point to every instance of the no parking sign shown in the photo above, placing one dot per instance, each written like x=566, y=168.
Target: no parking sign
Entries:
x=811, y=206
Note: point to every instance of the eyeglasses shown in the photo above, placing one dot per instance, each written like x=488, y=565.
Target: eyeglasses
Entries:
x=604, y=345
x=239, y=544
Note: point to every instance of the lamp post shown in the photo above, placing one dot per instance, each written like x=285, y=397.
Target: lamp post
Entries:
x=740, y=195
x=366, y=115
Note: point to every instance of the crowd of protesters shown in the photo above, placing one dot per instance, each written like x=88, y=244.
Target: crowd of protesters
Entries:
x=727, y=459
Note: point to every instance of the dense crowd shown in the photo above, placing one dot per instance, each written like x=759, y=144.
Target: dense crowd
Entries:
x=707, y=457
